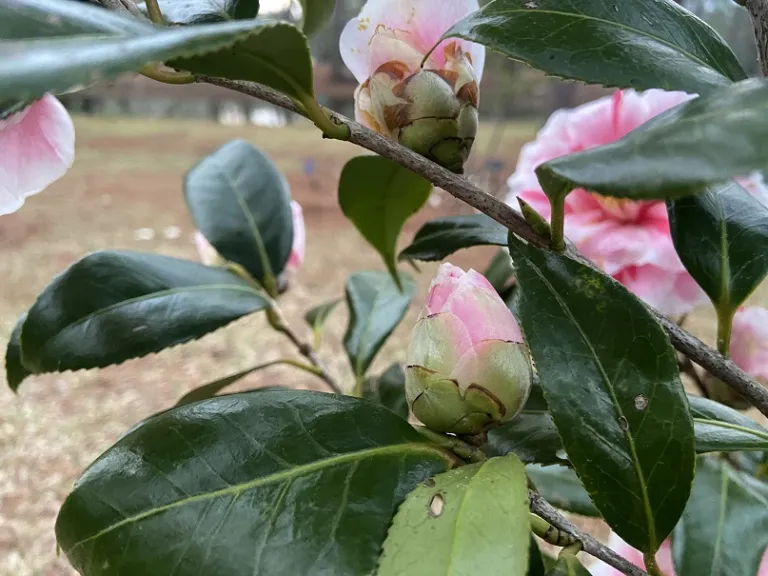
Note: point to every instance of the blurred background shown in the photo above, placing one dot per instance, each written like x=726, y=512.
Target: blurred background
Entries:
x=136, y=138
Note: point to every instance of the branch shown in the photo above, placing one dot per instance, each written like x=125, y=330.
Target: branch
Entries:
x=589, y=544
x=758, y=10
x=461, y=188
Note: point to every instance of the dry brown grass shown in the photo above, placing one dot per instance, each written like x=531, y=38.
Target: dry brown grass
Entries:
x=128, y=176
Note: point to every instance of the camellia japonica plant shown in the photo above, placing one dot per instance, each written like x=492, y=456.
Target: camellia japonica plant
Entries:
x=548, y=387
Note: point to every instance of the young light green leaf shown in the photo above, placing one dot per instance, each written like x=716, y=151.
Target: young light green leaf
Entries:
x=113, y=306
x=317, y=316
x=376, y=307
x=378, y=196
x=15, y=371
x=724, y=529
x=628, y=44
x=388, y=389
x=210, y=389
x=315, y=14
x=561, y=487
x=30, y=68
x=217, y=484
x=473, y=520
x=206, y=11
x=721, y=236
x=275, y=54
x=705, y=141
x=241, y=204
x=444, y=236
x=723, y=429
x=616, y=398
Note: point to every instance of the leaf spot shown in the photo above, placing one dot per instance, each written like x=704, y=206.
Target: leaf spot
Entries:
x=531, y=5
x=429, y=483
x=641, y=402
x=623, y=424
x=436, y=505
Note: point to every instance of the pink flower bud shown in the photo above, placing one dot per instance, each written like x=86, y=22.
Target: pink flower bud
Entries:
x=206, y=252
x=429, y=106
x=467, y=365
x=38, y=147
x=299, y=238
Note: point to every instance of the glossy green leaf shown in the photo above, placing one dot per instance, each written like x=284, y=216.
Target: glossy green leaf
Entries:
x=702, y=142
x=500, y=271
x=378, y=196
x=722, y=239
x=15, y=371
x=611, y=381
x=723, y=429
x=224, y=486
x=30, y=68
x=724, y=529
x=275, y=54
x=472, y=520
x=388, y=389
x=241, y=204
x=444, y=236
x=316, y=14
x=49, y=18
x=207, y=11
x=113, y=306
x=211, y=389
x=561, y=487
x=317, y=316
x=568, y=565
x=376, y=307
x=531, y=435
x=628, y=44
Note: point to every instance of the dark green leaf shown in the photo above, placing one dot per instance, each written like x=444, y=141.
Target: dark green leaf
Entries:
x=241, y=204
x=705, y=141
x=376, y=307
x=275, y=54
x=535, y=560
x=112, y=306
x=724, y=529
x=316, y=14
x=15, y=372
x=531, y=435
x=472, y=520
x=227, y=485
x=568, y=565
x=625, y=43
x=500, y=271
x=389, y=390
x=444, y=236
x=723, y=429
x=212, y=388
x=562, y=488
x=207, y=11
x=611, y=381
x=722, y=239
x=49, y=18
x=30, y=68
x=378, y=196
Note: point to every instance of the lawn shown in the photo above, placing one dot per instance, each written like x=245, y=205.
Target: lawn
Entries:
x=125, y=192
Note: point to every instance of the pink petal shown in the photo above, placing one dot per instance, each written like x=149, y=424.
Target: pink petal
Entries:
x=299, y=238
x=443, y=285
x=636, y=108
x=749, y=341
x=205, y=251
x=663, y=558
x=437, y=342
x=671, y=293
x=38, y=147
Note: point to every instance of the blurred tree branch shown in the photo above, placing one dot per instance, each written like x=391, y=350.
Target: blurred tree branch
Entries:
x=758, y=10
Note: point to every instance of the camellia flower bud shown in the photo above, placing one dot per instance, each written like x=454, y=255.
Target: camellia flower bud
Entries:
x=427, y=104
x=467, y=365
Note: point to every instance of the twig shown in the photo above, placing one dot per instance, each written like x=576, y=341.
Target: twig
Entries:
x=758, y=10
x=461, y=188
x=591, y=546
x=685, y=366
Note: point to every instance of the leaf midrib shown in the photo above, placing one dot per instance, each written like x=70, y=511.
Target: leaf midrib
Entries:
x=630, y=439
x=736, y=427
x=283, y=475
x=529, y=12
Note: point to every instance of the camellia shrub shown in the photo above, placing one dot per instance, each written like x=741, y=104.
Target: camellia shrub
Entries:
x=550, y=383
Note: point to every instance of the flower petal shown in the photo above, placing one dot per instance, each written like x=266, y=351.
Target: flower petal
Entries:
x=671, y=293
x=615, y=543
x=299, y=238
x=437, y=342
x=38, y=147
x=445, y=283
x=749, y=341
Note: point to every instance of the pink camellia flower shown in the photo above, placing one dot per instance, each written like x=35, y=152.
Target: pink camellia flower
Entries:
x=749, y=341
x=430, y=109
x=299, y=238
x=629, y=240
x=37, y=147
x=663, y=559
x=210, y=257
x=467, y=365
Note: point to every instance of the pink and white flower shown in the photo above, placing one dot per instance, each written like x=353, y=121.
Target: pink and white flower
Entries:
x=467, y=364
x=432, y=109
x=629, y=240
x=37, y=147
x=749, y=341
